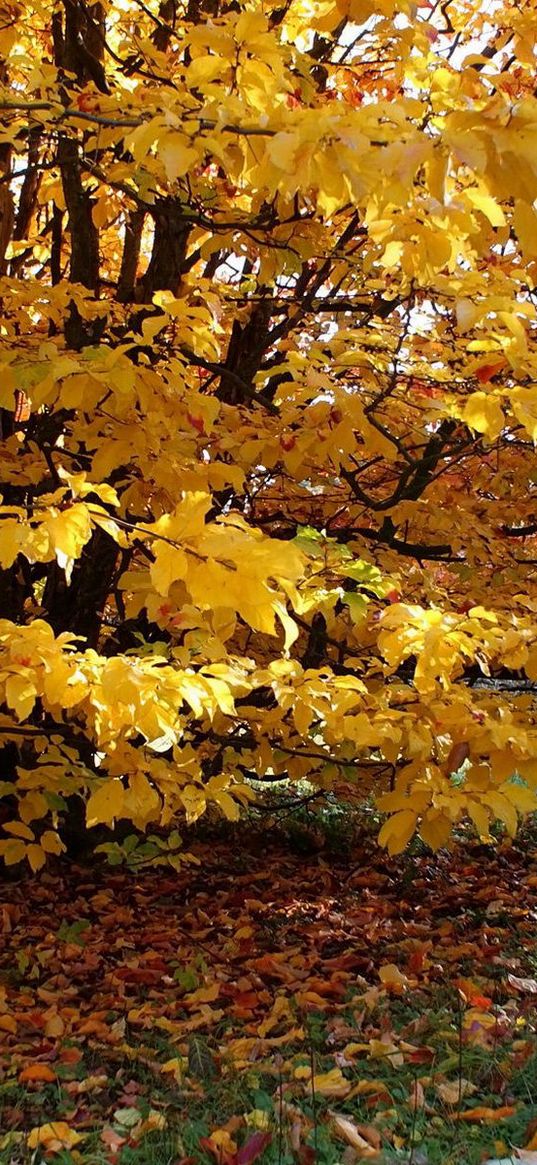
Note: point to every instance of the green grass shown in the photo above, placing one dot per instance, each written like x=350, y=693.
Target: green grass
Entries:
x=194, y=1108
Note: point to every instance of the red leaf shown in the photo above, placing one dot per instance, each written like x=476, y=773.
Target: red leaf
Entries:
x=253, y=1148
x=459, y=753
x=306, y=1155
x=223, y=1156
x=138, y=975
x=487, y=371
x=197, y=422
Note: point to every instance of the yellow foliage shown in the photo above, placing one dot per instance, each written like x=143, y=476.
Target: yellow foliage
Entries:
x=267, y=375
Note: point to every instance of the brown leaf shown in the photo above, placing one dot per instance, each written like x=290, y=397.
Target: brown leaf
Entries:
x=452, y=1091
x=416, y=1096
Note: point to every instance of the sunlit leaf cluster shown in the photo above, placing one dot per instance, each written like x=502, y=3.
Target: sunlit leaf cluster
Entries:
x=268, y=411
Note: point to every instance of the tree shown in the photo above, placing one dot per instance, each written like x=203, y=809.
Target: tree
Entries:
x=269, y=403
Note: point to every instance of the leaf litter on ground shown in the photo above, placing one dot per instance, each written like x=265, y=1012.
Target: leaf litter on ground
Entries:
x=275, y=1007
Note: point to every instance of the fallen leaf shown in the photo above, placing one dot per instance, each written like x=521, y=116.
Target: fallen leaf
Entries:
x=127, y=1117
x=222, y=1147
x=253, y=1148
x=392, y=978
x=331, y=1083
x=529, y=986
x=53, y=1137
x=385, y=1049
x=452, y=1091
x=486, y=1114
x=37, y=1073
x=112, y=1139
x=346, y=1129
x=375, y=1091
x=518, y=1155
x=416, y=1096
x=154, y=1120
x=472, y=993
x=54, y=1026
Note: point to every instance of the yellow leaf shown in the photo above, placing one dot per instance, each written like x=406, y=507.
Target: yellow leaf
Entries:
x=170, y=564
x=69, y=530
x=51, y=842
x=332, y=1083
x=483, y=413
x=524, y=800
x=177, y=155
x=33, y=805
x=451, y=1091
x=397, y=831
x=36, y=857
x=282, y=149
x=480, y=816
x=386, y=1049
x=141, y=802
x=8, y=1023
x=290, y=627
x=54, y=1026
x=502, y=809
x=435, y=829
x=487, y=205
x=228, y=806
x=523, y=402
x=106, y=803
x=7, y=388
x=20, y=695
x=390, y=976
x=11, y=541
x=56, y=1133
x=12, y=851
x=525, y=224
x=19, y=829
x=467, y=314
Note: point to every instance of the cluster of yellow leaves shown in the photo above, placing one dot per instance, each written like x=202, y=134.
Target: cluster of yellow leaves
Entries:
x=413, y=164
x=224, y=565
x=443, y=642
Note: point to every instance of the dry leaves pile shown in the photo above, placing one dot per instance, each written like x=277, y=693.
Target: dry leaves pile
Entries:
x=282, y=1004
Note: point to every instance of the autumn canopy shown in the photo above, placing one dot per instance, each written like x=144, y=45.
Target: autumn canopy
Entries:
x=268, y=387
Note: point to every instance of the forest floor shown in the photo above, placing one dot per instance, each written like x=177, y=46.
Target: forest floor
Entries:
x=280, y=1002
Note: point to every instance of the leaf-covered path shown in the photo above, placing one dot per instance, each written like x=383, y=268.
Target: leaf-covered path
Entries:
x=273, y=1006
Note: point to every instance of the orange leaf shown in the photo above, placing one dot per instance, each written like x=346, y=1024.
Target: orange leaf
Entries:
x=37, y=1073
x=486, y=1114
x=70, y=1055
x=473, y=994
